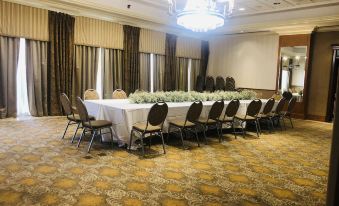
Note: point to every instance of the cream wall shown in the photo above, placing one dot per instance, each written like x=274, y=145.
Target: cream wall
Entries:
x=251, y=59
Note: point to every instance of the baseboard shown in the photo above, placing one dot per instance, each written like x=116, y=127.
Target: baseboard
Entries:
x=316, y=117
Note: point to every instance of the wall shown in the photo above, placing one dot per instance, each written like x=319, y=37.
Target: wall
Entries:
x=320, y=73
x=251, y=59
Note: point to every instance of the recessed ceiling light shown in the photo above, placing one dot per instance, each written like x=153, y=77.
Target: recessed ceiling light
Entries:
x=242, y=9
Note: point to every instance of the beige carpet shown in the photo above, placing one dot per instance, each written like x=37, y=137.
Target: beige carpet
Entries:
x=283, y=168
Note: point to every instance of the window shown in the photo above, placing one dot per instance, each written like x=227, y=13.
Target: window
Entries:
x=21, y=82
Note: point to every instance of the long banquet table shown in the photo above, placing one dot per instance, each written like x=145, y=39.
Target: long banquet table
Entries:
x=124, y=114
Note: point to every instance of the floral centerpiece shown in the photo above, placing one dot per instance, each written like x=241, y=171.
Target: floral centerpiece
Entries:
x=181, y=96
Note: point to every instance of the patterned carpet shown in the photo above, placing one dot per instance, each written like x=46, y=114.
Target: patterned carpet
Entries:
x=283, y=168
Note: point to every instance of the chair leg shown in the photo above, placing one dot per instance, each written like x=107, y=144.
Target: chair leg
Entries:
x=82, y=135
x=130, y=140
x=163, y=142
x=235, y=134
x=291, y=122
x=142, y=144
x=100, y=134
x=204, y=131
x=111, y=131
x=272, y=124
x=283, y=120
x=256, y=126
x=218, y=133
x=259, y=127
x=182, y=138
x=150, y=140
x=279, y=123
x=91, y=142
x=75, y=133
x=63, y=136
x=243, y=129
x=196, y=135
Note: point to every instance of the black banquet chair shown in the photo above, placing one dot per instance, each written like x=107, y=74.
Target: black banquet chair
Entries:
x=277, y=114
x=200, y=84
x=228, y=118
x=220, y=84
x=188, y=125
x=251, y=115
x=70, y=114
x=265, y=115
x=288, y=114
x=93, y=126
x=212, y=119
x=230, y=84
x=209, y=84
x=154, y=125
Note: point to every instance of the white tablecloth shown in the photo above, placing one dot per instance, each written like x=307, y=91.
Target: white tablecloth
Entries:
x=124, y=114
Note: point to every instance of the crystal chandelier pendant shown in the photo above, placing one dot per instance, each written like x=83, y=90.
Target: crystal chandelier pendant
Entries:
x=202, y=15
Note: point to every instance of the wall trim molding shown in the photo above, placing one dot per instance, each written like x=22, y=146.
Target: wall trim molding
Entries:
x=316, y=117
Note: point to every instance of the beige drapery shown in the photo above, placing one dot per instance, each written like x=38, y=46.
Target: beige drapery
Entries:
x=112, y=71
x=181, y=74
x=9, y=56
x=98, y=33
x=145, y=65
x=195, y=72
x=152, y=41
x=23, y=21
x=86, y=68
x=159, y=72
x=188, y=48
x=36, y=68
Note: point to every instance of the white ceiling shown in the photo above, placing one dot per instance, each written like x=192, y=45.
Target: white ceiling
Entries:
x=287, y=17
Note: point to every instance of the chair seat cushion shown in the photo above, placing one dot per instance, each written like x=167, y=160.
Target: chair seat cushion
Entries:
x=206, y=121
x=227, y=119
x=76, y=118
x=181, y=123
x=141, y=127
x=244, y=117
x=96, y=124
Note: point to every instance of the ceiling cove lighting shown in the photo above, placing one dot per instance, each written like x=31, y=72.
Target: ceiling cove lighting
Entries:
x=202, y=15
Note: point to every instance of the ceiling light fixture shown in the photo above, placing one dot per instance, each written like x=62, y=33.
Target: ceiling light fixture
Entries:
x=242, y=9
x=202, y=15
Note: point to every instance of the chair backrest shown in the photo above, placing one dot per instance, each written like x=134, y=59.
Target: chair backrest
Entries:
x=280, y=106
x=230, y=84
x=82, y=110
x=216, y=110
x=232, y=108
x=119, y=94
x=220, y=83
x=269, y=106
x=91, y=94
x=209, y=84
x=200, y=84
x=291, y=104
x=287, y=95
x=66, y=104
x=157, y=114
x=194, y=111
x=254, y=107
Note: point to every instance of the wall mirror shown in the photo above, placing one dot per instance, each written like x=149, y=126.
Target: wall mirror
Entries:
x=292, y=70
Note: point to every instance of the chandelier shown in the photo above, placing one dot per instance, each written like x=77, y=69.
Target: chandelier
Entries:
x=202, y=15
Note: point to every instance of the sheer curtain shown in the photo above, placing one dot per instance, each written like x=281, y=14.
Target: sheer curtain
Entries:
x=181, y=74
x=145, y=71
x=158, y=72
x=21, y=79
x=36, y=71
x=195, y=71
x=112, y=71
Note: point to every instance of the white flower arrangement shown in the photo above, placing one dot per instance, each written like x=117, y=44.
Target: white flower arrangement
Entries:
x=180, y=96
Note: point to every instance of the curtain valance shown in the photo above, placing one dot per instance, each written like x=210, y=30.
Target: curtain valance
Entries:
x=188, y=47
x=152, y=41
x=98, y=33
x=23, y=21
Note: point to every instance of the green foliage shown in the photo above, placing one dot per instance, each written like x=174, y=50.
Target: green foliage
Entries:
x=180, y=96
